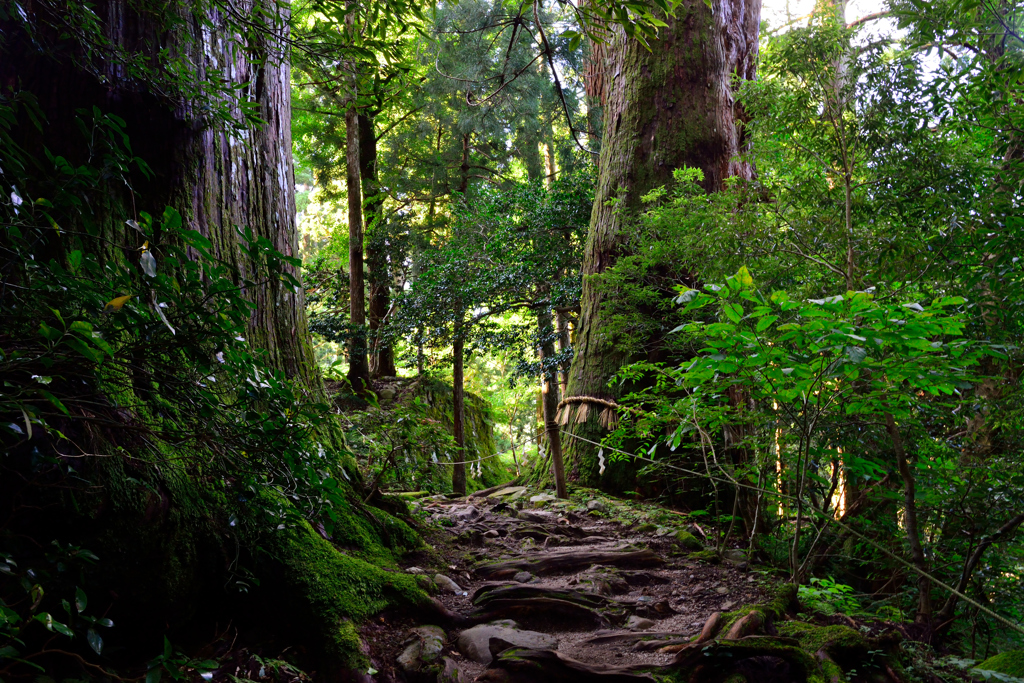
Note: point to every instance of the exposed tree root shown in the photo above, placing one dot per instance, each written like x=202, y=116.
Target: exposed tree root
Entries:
x=561, y=610
x=567, y=561
x=519, y=665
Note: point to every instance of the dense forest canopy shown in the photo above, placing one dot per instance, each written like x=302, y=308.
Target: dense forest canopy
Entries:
x=645, y=340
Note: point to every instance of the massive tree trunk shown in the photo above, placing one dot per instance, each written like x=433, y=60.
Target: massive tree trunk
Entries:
x=664, y=108
x=151, y=507
x=219, y=178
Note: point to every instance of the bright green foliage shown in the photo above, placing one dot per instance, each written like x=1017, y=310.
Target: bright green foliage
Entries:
x=861, y=290
x=828, y=597
x=509, y=250
x=407, y=443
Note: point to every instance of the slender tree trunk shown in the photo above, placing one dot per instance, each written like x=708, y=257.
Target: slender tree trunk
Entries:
x=358, y=369
x=459, y=410
x=549, y=398
x=944, y=616
x=924, y=600
x=663, y=108
x=381, y=355
x=464, y=166
x=551, y=168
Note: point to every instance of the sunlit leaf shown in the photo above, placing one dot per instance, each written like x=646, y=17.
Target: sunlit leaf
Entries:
x=117, y=303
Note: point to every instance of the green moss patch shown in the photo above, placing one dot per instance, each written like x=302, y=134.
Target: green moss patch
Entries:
x=709, y=556
x=814, y=638
x=687, y=540
x=1010, y=663
x=337, y=590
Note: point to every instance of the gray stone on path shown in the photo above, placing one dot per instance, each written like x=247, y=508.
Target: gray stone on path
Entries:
x=595, y=505
x=425, y=644
x=468, y=513
x=639, y=623
x=734, y=556
x=523, y=577
x=537, y=516
x=491, y=533
x=722, y=590
x=446, y=584
x=542, y=498
x=474, y=642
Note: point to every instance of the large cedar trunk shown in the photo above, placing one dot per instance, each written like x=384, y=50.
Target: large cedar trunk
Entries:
x=166, y=560
x=218, y=179
x=664, y=108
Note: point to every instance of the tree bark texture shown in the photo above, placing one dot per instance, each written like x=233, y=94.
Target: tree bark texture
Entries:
x=549, y=399
x=664, y=108
x=218, y=177
x=464, y=166
x=381, y=355
x=358, y=368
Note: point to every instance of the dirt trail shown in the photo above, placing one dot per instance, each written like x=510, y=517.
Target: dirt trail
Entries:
x=523, y=569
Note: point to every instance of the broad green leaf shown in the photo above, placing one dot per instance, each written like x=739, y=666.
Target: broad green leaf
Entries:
x=766, y=322
x=744, y=278
x=733, y=311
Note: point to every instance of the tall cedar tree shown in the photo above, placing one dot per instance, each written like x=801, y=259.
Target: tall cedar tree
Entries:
x=664, y=108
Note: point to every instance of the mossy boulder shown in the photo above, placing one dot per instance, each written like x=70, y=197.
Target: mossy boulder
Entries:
x=487, y=470
x=687, y=540
x=709, y=556
x=845, y=646
x=1010, y=663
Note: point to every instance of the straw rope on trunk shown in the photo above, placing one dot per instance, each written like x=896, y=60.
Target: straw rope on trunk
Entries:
x=608, y=417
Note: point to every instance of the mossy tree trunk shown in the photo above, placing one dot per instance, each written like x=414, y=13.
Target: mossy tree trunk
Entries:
x=155, y=524
x=663, y=108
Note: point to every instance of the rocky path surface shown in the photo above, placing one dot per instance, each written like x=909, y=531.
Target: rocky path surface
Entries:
x=541, y=589
x=530, y=589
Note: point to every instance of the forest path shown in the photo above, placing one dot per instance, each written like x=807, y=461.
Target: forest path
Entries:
x=586, y=579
